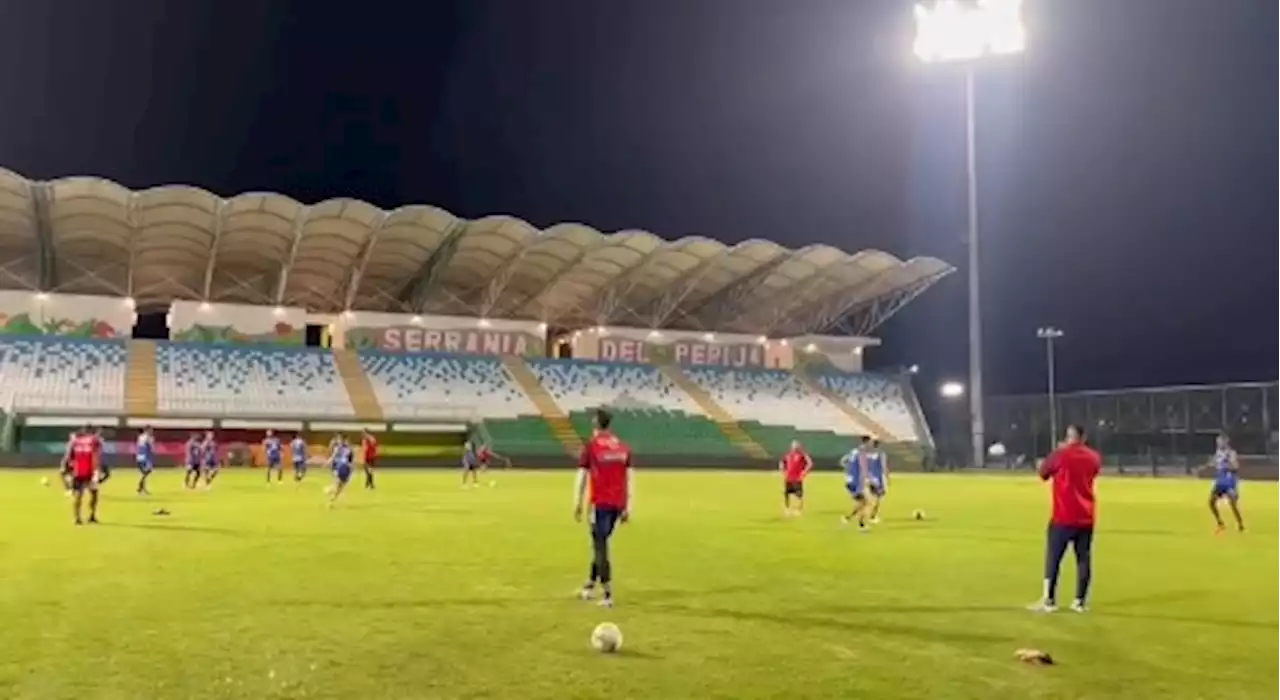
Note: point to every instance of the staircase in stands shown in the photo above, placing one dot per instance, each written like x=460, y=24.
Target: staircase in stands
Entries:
x=723, y=419
x=363, y=398
x=864, y=423
x=551, y=412
x=140, y=382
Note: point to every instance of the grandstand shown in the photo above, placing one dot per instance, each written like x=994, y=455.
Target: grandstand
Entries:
x=435, y=324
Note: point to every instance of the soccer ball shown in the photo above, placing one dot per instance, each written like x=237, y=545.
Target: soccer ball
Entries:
x=44, y=481
x=917, y=514
x=606, y=638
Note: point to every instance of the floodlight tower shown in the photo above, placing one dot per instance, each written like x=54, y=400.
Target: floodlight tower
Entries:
x=969, y=32
x=1049, y=334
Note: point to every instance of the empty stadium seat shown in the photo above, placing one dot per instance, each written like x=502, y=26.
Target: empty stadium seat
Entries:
x=249, y=381
x=579, y=386
x=880, y=398
x=422, y=385
x=55, y=374
x=771, y=397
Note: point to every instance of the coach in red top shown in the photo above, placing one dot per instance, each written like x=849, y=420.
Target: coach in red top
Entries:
x=1072, y=468
x=605, y=464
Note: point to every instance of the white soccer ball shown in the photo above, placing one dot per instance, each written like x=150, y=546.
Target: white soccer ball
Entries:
x=44, y=481
x=606, y=638
x=917, y=514
x=997, y=450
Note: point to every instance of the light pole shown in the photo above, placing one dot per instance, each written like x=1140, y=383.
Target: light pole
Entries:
x=952, y=31
x=1049, y=334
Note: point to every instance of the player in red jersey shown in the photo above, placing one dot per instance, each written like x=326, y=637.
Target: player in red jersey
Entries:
x=82, y=455
x=795, y=465
x=1073, y=468
x=369, y=446
x=485, y=455
x=605, y=465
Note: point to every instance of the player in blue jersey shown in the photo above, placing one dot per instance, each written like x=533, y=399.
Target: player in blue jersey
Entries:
x=877, y=479
x=298, y=452
x=209, y=457
x=273, y=450
x=194, y=455
x=1226, y=483
x=855, y=481
x=146, y=456
x=340, y=460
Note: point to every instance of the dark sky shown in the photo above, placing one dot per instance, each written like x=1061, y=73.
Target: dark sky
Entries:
x=1127, y=161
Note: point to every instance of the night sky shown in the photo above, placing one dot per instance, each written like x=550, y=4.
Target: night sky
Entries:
x=1127, y=161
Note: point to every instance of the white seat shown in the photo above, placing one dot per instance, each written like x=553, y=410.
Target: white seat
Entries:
x=53, y=373
x=880, y=398
x=771, y=397
x=423, y=385
x=249, y=381
x=578, y=385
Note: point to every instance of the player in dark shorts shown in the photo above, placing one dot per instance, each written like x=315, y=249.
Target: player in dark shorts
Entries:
x=470, y=465
x=369, y=448
x=605, y=468
x=193, y=453
x=795, y=466
x=84, y=477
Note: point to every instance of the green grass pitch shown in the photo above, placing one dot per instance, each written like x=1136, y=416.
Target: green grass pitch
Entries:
x=423, y=590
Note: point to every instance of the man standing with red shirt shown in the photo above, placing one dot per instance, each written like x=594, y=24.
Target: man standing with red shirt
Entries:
x=82, y=455
x=795, y=466
x=605, y=465
x=369, y=445
x=1072, y=468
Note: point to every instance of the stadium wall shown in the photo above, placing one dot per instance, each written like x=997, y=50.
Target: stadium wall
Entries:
x=363, y=330
x=199, y=322
x=67, y=315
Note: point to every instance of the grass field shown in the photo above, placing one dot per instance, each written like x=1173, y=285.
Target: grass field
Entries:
x=423, y=590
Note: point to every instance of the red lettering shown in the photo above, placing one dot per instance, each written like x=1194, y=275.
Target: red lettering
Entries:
x=698, y=354
x=716, y=354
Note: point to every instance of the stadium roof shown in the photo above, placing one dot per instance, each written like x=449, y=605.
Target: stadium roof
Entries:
x=85, y=235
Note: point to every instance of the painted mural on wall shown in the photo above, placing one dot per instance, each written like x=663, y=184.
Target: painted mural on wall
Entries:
x=472, y=336
x=66, y=315
x=194, y=322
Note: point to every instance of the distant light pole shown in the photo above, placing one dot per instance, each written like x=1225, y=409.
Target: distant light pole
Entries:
x=1049, y=334
x=949, y=31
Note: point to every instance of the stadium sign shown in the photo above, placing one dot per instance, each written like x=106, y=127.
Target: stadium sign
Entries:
x=469, y=341
x=683, y=352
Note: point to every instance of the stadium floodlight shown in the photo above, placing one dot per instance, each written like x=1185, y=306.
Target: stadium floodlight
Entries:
x=130, y=302
x=204, y=306
x=951, y=390
x=950, y=31
x=968, y=32
x=1049, y=334
x=279, y=310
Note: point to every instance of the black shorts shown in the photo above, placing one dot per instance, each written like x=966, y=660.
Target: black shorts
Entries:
x=603, y=520
x=83, y=483
x=471, y=467
x=793, y=488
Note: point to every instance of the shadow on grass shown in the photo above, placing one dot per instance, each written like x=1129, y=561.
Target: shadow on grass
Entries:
x=1122, y=609
x=182, y=527
x=828, y=619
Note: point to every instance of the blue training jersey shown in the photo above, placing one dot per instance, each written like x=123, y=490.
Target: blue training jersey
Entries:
x=273, y=449
x=469, y=458
x=875, y=465
x=145, y=450
x=342, y=456
x=1224, y=475
x=299, y=449
x=852, y=471
x=193, y=453
x=210, y=450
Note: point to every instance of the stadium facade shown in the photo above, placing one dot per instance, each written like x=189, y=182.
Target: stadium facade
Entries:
x=435, y=327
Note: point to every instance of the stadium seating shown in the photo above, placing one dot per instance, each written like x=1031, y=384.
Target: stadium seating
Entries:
x=422, y=385
x=651, y=413
x=880, y=398
x=249, y=381
x=48, y=373
x=771, y=397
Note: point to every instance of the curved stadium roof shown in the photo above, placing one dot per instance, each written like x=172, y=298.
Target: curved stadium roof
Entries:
x=85, y=235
